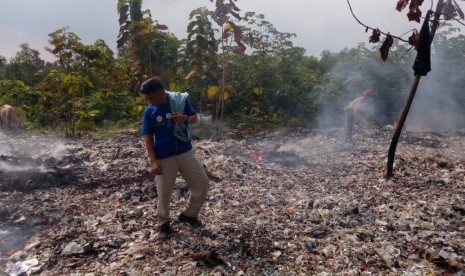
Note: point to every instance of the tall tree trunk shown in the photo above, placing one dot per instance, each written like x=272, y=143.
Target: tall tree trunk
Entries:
x=220, y=102
x=400, y=126
x=413, y=90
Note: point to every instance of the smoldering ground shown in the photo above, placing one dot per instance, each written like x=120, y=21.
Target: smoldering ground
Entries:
x=278, y=203
x=30, y=162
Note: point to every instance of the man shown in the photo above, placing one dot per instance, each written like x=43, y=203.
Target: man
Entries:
x=169, y=146
x=360, y=107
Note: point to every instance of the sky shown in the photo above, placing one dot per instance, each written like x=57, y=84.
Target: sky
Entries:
x=319, y=24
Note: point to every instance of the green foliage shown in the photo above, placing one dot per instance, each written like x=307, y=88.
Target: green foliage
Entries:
x=15, y=93
x=148, y=45
x=243, y=124
x=201, y=46
x=273, y=84
x=25, y=66
x=164, y=54
x=85, y=122
x=203, y=131
x=263, y=37
x=145, y=49
x=201, y=49
x=281, y=72
x=65, y=45
x=87, y=88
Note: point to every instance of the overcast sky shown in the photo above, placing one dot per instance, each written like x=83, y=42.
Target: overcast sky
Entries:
x=319, y=24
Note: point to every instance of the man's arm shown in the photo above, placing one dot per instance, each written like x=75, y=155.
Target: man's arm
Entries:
x=182, y=118
x=150, y=146
x=191, y=113
x=192, y=119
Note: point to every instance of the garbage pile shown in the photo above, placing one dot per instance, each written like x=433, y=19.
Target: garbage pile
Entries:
x=280, y=203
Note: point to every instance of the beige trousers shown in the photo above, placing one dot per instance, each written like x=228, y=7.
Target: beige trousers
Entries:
x=196, y=179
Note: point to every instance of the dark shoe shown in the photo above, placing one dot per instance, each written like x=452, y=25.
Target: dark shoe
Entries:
x=194, y=222
x=164, y=231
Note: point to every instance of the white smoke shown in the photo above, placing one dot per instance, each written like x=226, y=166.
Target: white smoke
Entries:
x=5, y=149
x=23, y=154
x=436, y=106
x=349, y=77
x=54, y=149
x=438, y=103
x=5, y=166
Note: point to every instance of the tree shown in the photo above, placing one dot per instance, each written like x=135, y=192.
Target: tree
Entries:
x=107, y=98
x=143, y=36
x=421, y=41
x=15, y=92
x=65, y=45
x=222, y=16
x=270, y=49
x=201, y=49
x=87, y=87
x=24, y=65
x=275, y=82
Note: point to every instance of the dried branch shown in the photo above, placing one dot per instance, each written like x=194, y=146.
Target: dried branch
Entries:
x=374, y=29
x=460, y=22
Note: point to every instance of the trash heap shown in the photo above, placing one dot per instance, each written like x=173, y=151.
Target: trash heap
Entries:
x=280, y=203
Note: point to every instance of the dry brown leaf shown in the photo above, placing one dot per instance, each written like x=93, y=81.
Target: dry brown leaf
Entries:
x=415, y=3
x=440, y=261
x=384, y=50
x=401, y=4
x=414, y=39
x=375, y=36
x=414, y=15
x=449, y=11
x=415, y=204
x=210, y=257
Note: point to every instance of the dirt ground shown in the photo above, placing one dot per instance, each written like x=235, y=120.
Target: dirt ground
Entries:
x=283, y=203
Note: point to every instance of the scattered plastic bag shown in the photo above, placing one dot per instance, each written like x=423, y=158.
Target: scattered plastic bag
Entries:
x=25, y=267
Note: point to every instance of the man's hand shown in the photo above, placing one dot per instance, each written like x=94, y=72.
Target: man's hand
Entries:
x=155, y=168
x=180, y=118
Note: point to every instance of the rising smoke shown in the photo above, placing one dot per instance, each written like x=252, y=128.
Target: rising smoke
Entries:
x=438, y=104
x=357, y=71
x=23, y=154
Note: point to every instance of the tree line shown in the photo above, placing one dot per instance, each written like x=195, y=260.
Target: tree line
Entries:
x=237, y=67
